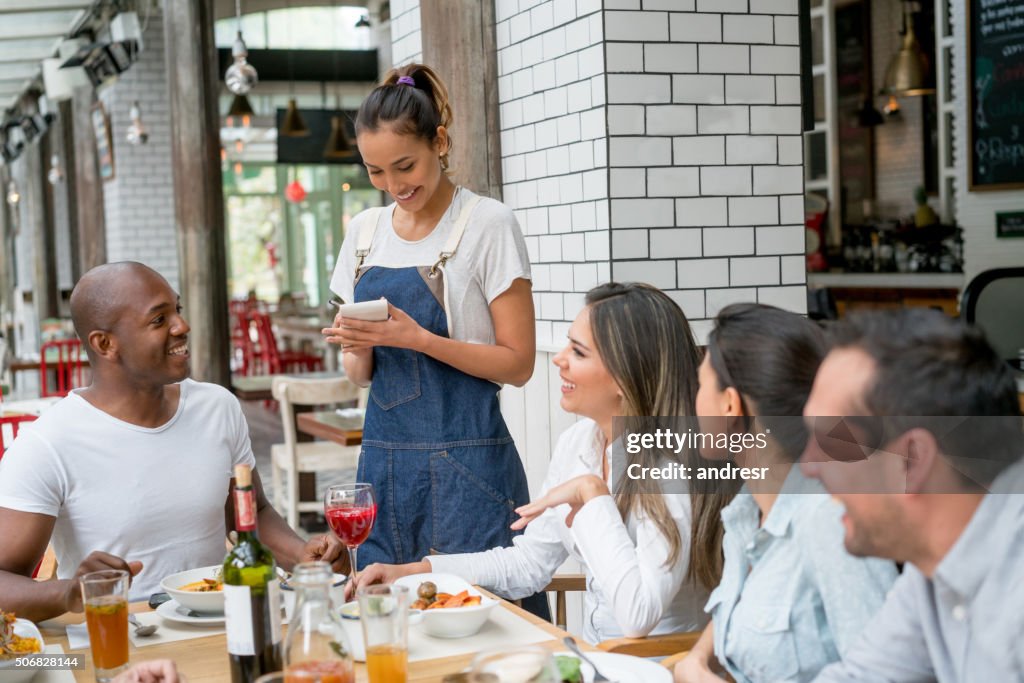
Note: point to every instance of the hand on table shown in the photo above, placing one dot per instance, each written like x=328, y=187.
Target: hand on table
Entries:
x=94, y=562
x=153, y=671
x=326, y=548
x=357, y=336
x=575, y=493
x=384, y=573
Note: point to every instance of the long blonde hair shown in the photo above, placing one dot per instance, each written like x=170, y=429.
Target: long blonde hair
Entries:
x=646, y=344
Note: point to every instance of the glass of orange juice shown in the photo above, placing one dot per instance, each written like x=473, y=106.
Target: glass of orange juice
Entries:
x=384, y=613
x=105, y=595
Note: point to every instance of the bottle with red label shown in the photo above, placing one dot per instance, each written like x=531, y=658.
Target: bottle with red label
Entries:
x=252, y=593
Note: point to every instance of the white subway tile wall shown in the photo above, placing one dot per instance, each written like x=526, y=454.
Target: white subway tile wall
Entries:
x=654, y=140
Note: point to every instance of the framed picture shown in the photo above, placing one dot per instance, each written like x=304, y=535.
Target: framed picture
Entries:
x=1010, y=224
x=104, y=141
x=995, y=131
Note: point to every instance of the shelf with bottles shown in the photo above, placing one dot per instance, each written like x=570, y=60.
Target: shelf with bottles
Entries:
x=893, y=247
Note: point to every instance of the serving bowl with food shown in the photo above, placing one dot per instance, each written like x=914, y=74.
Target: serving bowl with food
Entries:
x=450, y=606
x=18, y=638
x=200, y=590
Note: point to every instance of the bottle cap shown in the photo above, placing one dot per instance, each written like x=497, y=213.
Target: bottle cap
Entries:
x=243, y=475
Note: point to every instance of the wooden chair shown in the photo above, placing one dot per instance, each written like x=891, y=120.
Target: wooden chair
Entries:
x=64, y=357
x=291, y=458
x=10, y=424
x=677, y=645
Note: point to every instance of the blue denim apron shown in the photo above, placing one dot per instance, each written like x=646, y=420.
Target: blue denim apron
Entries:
x=435, y=446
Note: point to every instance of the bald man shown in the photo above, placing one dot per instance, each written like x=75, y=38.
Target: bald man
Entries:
x=134, y=471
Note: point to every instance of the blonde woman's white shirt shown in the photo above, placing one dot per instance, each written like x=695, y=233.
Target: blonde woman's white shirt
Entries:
x=631, y=591
x=150, y=494
x=491, y=255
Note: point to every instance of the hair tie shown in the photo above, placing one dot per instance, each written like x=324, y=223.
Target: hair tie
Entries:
x=407, y=80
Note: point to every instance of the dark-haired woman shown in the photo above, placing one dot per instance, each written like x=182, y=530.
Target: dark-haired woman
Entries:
x=454, y=269
x=630, y=353
x=791, y=598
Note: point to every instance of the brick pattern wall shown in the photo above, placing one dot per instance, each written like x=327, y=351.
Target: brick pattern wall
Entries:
x=139, y=200
x=406, y=43
x=551, y=92
x=706, y=152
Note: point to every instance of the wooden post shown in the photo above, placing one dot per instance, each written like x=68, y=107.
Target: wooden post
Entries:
x=459, y=42
x=198, y=195
x=40, y=223
x=85, y=195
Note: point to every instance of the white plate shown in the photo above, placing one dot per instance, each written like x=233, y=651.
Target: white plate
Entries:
x=622, y=668
x=174, y=612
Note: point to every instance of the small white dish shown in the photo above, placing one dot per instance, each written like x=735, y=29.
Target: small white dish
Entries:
x=10, y=672
x=453, y=622
x=621, y=668
x=172, y=611
x=208, y=603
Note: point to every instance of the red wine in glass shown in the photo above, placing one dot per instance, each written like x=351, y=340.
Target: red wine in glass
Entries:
x=351, y=510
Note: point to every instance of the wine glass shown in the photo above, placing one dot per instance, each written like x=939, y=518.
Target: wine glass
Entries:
x=350, y=510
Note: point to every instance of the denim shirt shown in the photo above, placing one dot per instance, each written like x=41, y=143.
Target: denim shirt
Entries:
x=791, y=598
x=964, y=624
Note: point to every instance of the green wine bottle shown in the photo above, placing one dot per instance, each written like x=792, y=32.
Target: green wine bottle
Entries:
x=252, y=593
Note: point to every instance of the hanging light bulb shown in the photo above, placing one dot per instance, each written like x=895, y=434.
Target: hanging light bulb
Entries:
x=239, y=146
x=238, y=168
x=892, y=107
x=240, y=76
x=56, y=174
x=13, y=196
x=136, y=133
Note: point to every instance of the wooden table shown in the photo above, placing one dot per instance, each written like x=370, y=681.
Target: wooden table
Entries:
x=327, y=424
x=206, y=659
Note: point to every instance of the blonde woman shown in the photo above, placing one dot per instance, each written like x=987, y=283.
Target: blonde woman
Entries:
x=630, y=353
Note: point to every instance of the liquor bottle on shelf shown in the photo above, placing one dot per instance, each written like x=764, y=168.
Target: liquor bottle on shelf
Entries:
x=252, y=593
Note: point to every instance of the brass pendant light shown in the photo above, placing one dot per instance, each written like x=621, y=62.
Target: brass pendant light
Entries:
x=293, y=126
x=339, y=147
x=908, y=74
x=241, y=108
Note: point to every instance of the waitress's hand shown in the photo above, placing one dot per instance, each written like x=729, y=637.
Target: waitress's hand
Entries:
x=399, y=331
x=575, y=493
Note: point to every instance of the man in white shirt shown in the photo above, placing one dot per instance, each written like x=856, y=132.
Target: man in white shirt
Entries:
x=944, y=493
x=134, y=471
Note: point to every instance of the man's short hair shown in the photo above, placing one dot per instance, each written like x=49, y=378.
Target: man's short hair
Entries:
x=928, y=365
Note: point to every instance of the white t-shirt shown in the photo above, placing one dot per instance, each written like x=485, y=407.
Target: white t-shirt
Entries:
x=490, y=256
x=153, y=495
x=630, y=590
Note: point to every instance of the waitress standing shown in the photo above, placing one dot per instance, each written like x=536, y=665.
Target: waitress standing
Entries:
x=454, y=269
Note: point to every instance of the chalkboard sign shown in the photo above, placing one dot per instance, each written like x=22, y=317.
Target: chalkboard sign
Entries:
x=853, y=86
x=1010, y=224
x=995, y=61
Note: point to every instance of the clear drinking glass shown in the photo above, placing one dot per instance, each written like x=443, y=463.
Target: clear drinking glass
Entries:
x=105, y=596
x=384, y=613
x=316, y=641
x=351, y=510
x=519, y=665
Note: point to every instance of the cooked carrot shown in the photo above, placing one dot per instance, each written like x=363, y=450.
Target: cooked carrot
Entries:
x=471, y=600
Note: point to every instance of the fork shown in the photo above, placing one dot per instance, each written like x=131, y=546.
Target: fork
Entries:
x=599, y=677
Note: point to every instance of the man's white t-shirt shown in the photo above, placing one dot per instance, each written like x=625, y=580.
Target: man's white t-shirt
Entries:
x=152, y=495
x=490, y=256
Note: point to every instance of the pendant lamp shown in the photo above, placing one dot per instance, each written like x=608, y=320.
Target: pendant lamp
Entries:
x=241, y=109
x=240, y=76
x=908, y=74
x=338, y=145
x=293, y=126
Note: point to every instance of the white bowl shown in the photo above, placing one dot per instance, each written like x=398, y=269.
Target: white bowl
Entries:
x=10, y=672
x=452, y=622
x=203, y=603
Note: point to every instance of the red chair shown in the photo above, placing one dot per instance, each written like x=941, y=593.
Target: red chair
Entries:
x=64, y=356
x=12, y=423
x=275, y=361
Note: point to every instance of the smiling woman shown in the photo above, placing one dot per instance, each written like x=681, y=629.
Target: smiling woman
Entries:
x=454, y=270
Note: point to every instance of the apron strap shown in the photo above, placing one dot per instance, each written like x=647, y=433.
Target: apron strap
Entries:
x=452, y=245
x=365, y=237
